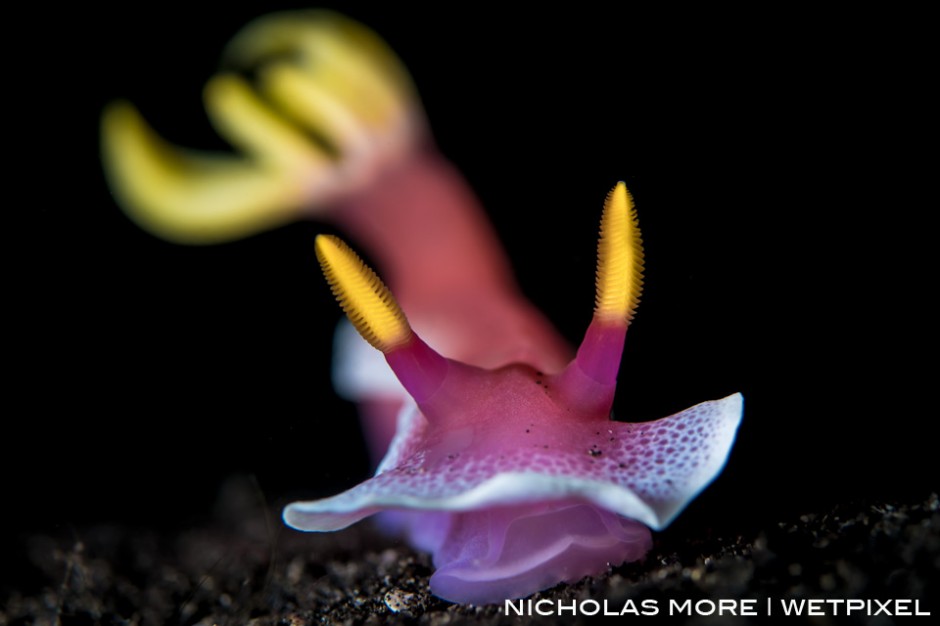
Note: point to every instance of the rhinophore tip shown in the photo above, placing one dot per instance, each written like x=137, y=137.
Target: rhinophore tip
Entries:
x=376, y=315
x=619, y=279
x=365, y=299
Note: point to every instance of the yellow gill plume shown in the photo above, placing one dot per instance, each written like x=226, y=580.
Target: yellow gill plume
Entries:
x=322, y=79
x=186, y=196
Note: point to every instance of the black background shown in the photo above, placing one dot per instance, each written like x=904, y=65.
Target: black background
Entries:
x=772, y=172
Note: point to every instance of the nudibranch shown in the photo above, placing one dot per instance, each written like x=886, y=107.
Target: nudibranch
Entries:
x=499, y=454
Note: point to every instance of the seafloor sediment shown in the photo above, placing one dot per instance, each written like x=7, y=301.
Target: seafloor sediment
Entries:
x=247, y=570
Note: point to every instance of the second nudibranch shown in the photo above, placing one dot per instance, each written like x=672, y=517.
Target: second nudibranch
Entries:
x=498, y=452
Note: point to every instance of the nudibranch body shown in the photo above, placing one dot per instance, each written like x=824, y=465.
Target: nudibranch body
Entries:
x=498, y=452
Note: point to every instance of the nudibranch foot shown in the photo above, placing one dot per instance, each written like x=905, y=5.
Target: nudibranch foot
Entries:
x=504, y=552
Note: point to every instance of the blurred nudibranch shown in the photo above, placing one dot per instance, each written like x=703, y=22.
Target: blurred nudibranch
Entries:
x=495, y=445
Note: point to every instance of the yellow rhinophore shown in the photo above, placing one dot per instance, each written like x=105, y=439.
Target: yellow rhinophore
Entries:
x=365, y=299
x=331, y=106
x=619, y=281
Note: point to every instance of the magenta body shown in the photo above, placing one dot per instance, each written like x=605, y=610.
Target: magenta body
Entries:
x=498, y=452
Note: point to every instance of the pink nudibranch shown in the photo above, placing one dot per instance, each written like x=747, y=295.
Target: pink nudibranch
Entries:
x=498, y=452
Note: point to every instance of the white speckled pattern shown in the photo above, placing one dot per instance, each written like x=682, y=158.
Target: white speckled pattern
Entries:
x=646, y=471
